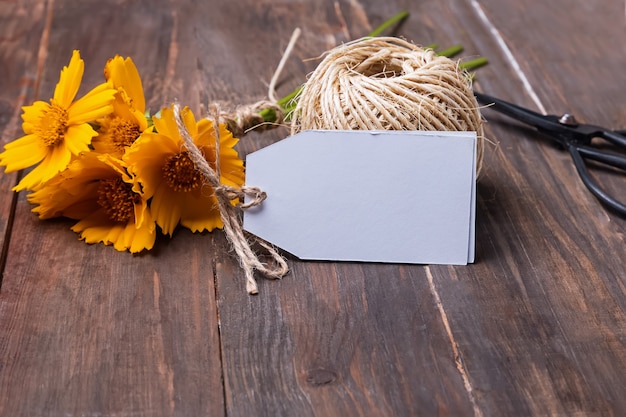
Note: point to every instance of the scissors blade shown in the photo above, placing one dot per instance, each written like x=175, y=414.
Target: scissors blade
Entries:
x=548, y=123
x=579, y=133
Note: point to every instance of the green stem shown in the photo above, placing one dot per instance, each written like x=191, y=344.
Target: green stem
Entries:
x=472, y=64
x=389, y=22
x=451, y=51
x=285, y=100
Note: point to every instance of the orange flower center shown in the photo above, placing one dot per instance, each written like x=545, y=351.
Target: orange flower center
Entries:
x=117, y=199
x=123, y=133
x=180, y=173
x=52, y=125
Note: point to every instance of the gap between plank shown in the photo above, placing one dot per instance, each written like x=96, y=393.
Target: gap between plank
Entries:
x=455, y=350
x=4, y=252
x=219, y=333
x=508, y=54
x=42, y=54
x=8, y=232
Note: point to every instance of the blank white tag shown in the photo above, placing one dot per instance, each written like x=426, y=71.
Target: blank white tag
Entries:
x=391, y=196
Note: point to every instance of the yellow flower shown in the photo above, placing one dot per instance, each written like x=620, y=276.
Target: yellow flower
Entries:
x=57, y=130
x=121, y=128
x=97, y=190
x=167, y=174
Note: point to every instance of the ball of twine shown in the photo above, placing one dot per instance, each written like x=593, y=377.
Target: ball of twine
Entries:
x=388, y=84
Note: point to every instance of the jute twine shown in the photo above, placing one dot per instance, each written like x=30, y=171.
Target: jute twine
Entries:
x=246, y=118
x=239, y=122
x=388, y=84
x=230, y=212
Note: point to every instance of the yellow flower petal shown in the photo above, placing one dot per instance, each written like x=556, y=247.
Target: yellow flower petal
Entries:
x=166, y=124
x=143, y=239
x=165, y=209
x=142, y=155
x=22, y=153
x=137, y=239
x=190, y=121
x=69, y=81
x=124, y=75
x=78, y=138
x=32, y=115
x=231, y=166
x=122, y=107
x=92, y=106
x=206, y=134
x=200, y=213
x=52, y=164
x=97, y=231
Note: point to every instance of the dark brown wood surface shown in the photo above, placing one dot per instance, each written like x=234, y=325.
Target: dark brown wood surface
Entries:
x=535, y=327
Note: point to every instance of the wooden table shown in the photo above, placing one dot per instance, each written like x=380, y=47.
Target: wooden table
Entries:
x=535, y=327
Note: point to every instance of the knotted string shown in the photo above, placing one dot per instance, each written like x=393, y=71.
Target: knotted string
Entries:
x=225, y=195
x=244, y=119
x=249, y=117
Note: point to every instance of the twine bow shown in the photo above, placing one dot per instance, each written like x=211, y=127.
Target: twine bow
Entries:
x=229, y=213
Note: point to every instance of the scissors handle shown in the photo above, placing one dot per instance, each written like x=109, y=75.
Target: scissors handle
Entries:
x=611, y=159
x=587, y=179
x=616, y=138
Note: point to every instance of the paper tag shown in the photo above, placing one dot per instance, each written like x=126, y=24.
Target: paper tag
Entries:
x=390, y=196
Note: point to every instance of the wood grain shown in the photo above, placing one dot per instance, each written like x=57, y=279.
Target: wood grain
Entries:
x=536, y=327
x=21, y=28
x=89, y=332
x=551, y=318
x=86, y=330
x=339, y=339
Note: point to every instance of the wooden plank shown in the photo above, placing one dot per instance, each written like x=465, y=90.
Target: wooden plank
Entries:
x=338, y=339
x=89, y=331
x=540, y=319
x=341, y=339
x=85, y=330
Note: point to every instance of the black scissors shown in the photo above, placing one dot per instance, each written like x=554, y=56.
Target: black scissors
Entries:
x=576, y=138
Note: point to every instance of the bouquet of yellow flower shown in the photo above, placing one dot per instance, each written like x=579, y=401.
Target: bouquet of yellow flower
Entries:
x=104, y=161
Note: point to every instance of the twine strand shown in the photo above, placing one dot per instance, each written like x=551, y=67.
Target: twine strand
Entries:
x=225, y=194
x=248, y=117
x=239, y=122
x=271, y=93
